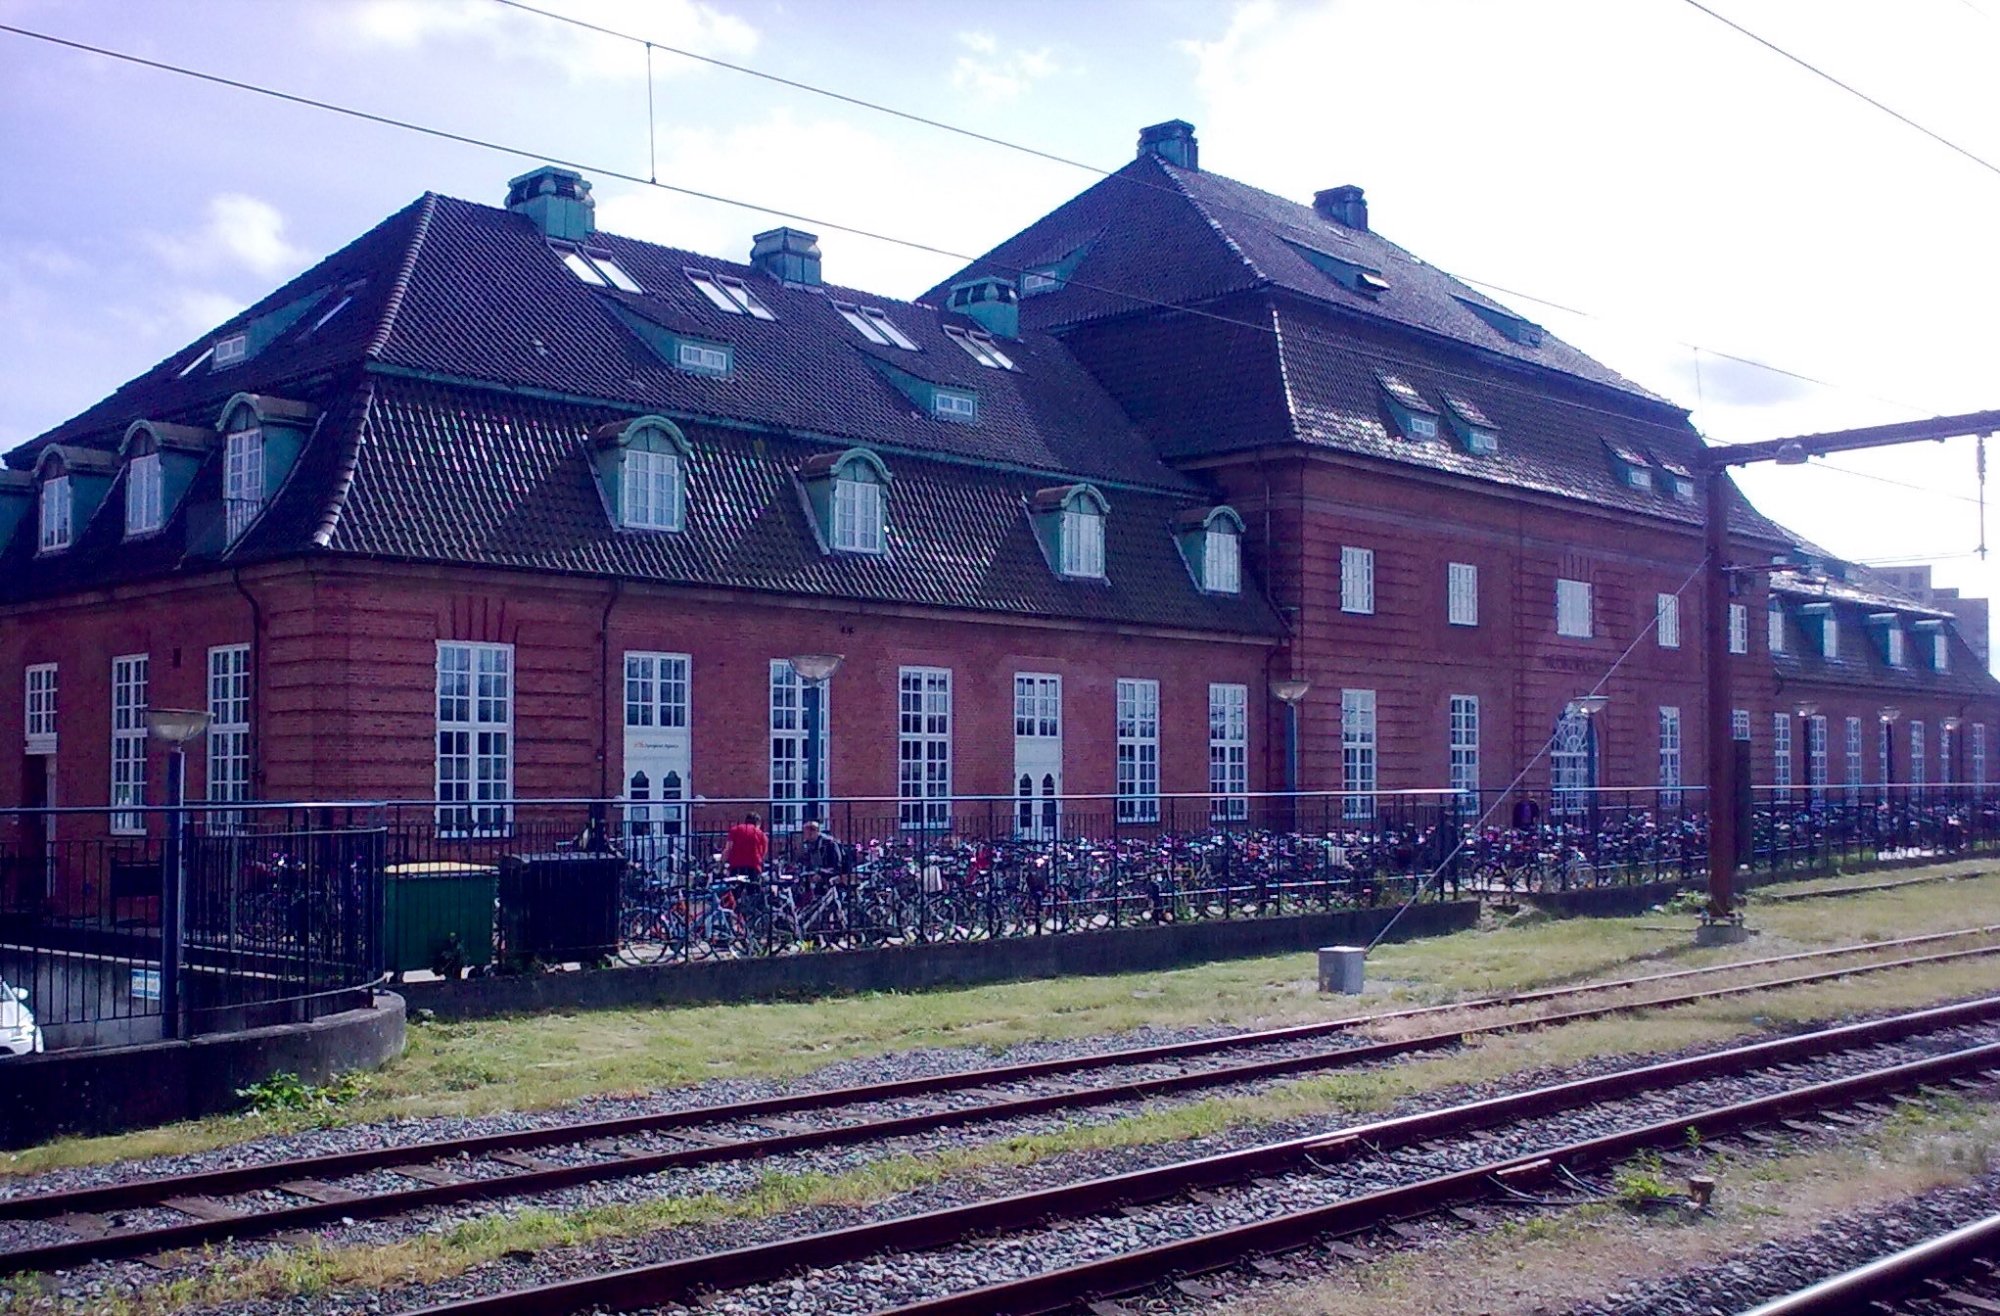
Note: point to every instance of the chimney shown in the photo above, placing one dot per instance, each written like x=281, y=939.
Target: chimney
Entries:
x=558, y=200
x=789, y=255
x=1173, y=141
x=1345, y=206
x=990, y=302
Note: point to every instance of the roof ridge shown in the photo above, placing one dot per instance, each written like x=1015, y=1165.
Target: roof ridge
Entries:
x=362, y=411
x=380, y=342
x=1180, y=186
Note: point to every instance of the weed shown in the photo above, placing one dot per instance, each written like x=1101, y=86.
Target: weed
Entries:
x=286, y=1093
x=1642, y=1183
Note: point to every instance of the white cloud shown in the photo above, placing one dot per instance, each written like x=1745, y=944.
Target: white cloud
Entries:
x=513, y=34
x=242, y=232
x=993, y=75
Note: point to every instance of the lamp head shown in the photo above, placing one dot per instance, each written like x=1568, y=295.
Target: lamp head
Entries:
x=1587, y=705
x=1289, y=691
x=816, y=667
x=175, y=727
x=1888, y=715
x=1791, y=454
x=1806, y=708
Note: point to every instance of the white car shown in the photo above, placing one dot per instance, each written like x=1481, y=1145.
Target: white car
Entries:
x=20, y=1035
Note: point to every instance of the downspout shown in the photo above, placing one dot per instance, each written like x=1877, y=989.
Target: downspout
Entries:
x=256, y=681
x=607, y=701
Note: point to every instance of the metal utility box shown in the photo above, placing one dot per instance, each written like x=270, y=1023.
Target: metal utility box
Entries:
x=560, y=906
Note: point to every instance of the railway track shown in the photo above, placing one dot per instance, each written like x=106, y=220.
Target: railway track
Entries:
x=1956, y=1272
x=61, y=1230
x=1133, y=1231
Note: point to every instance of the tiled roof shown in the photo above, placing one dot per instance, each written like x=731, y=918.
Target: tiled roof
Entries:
x=459, y=474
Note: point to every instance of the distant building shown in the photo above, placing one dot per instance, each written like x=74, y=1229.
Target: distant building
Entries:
x=1974, y=619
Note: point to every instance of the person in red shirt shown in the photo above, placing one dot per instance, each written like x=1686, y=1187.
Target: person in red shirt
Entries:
x=745, y=851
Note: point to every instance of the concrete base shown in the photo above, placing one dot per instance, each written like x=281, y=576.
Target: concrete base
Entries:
x=1342, y=969
x=1720, y=934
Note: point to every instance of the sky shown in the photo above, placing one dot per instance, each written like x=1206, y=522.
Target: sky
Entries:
x=1648, y=183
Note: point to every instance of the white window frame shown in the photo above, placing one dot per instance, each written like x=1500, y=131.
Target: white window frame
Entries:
x=1940, y=652
x=1082, y=534
x=859, y=515
x=1228, y=751
x=1882, y=765
x=228, y=775
x=1671, y=745
x=729, y=294
x=923, y=747
x=1945, y=738
x=1781, y=756
x=1893, y=641
x=702, y=358
x=242, y=479
x=1817, y=756
x=1853, y=748
x=652, y=490
x=1979, y=753
x=1358, y=766
x=1739, y=628
x=1357, y=580
x=144, y=495
x=58, y=512
x=657, y=690
x=1138, y=766
x=1461, y=588
x=1462, y=748
x=1038, y=754
x=1829, y=637
x=1774, y=627
x=1222, y=561
x=1739, y=724
x=954, y=404
x=131, y=677
x=1919, y=747
x=475, y=738
x=980, y=347
x=1421, y=426
x=39, y=700
x=1667, y=613
x=787, y=703
x=1573, y=611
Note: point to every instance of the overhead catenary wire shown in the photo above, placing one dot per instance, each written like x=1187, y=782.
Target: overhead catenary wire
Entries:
x=1099, y=171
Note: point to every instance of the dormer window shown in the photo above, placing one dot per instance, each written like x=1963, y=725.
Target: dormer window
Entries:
x=1069, y=523
x=955, y=404
x=144, y=490
x=1211, y=542
x=1829, y=629
x=1508, y=325
x=1351, y=275
x=1940, y=652
x=1476, y=434
x=728, y=293
x=874, y=324
x=699, y=358
x=1892, y=642
x=643, y=467
x=595, y=268
x=242, y=473
x=1083, y=543
x=1634, y=471
x=228, y=351
x=1415, y=417
x=56, y=514
x=848, y=493
x=857, y=514
x=979, y=345
x=1775, y=627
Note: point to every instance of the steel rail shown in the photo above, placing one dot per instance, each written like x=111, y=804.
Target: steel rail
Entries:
x=335, y=1165
x=680, y=1280
x=1892, y=1276
x=220, y=1226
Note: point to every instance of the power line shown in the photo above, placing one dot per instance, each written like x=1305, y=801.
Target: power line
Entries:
x=1099, y=171
x=1884, y=479
x=1849, y=88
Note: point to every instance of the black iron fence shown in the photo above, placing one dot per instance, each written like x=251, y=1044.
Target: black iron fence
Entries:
x=290, y=908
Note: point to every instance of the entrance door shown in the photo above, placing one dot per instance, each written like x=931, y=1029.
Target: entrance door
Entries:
x=29, y=882
x=1037, y=755
x=658, y=758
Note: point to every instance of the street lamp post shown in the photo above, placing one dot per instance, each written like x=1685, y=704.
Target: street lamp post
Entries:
x=174, y=728
x=1806, y=711
x=814, y=671
x=1290, y=692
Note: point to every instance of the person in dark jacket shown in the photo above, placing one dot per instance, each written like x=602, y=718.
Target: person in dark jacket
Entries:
x=817, y=853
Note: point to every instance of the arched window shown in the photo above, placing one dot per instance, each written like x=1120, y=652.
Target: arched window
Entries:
x=643, y=464
x=849, y=493
x=1069, y=520
x=242, y=469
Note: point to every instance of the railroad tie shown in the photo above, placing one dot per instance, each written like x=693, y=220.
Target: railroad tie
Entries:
x=318, y=1190
x=1969, y=1301
x=520, y=1160
x=202, y=1208
x=83, y=1224
x=435, y=1175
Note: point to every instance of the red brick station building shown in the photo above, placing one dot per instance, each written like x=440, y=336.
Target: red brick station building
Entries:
x=492, y=504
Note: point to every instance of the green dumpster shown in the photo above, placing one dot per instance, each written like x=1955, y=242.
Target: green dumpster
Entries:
x=438, y=916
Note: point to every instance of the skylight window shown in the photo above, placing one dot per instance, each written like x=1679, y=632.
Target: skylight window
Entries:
x=595, y=268
x=872, y=323
x=980, y=346
x=953, y=404
x=197, y=363
x=728, y=293
x=582, y=268
x=1348, y=274
x=610, y=269
x=1505, y=323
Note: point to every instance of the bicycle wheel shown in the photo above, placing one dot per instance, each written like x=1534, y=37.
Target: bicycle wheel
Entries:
x=642, y=937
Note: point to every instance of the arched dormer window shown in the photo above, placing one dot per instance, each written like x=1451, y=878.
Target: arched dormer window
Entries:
x=242, y=469
x=849, y=496
x=1211, y=542
x=144, y=491
x=57, y=512
x=643, y=465
x=70, y=482
x=1069, y=521
x=160, y=463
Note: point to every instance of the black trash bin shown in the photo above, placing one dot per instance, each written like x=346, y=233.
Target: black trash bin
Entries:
x=559, y=906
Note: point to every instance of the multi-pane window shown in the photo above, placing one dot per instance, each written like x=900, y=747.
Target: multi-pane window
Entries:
x=1853, y=759
x=1138, y=751
x=41, y=708
x=650, y=490
x=1222, y=561
x=656, y=691
x=857, y=515
x=1572, y=764
x=1670, y=754
x=143, y=494
x=1357, y=579
x=874, y=324
x=1461, y=589
x=1573, y=609
x=1739, y=628
x=1816, y=758
x=229, y=725
x=1357, y=753
x=242, y=479
x=1464, y=748
x=794, y=703
x=980, y=347
x=1917, y=752
x=1037, y=705
x=1829, y=637
x=1775, y=627
x=1781, y=754
x=1083, y=543
x=726, y=292
x=475, y=720
x=1037, y=754
x=1940, y=652
x=130, y=674
x=55, y=514
x=1946, y=777
x=1668, y=611
x=1893, y=639
x=1979, y=753
x=923, y=747
x=1229, y=751
x=1882, y=759
x=1739, y=724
